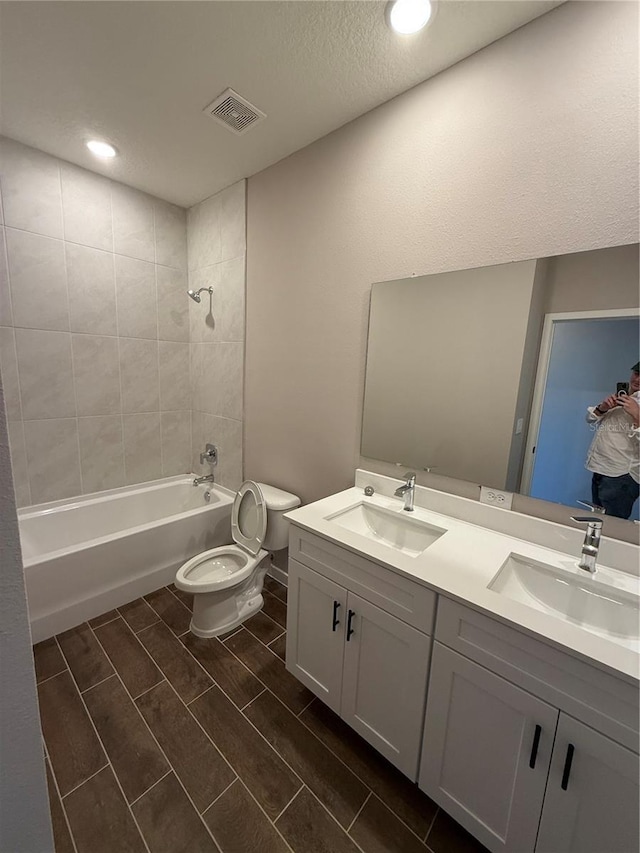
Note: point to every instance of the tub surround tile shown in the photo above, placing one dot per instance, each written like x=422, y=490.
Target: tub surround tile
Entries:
x=19, y=467
x=204, y=316
x=142, y=447
x=38, y=281
x=9, y=368
x=83, y=653
x=46, y=375
x=222, y=365
x=170, y=823
x=74, y=749
x=173, y=304
x=203, y=233
x=378, y=830
x=226, y=434
x=98, y=814
x=171, y=234
x=136, y=298
x=195, y=760
x=132, y=663
x=308, y=828
x=174, y=367
x=31, y=197
x=86, y=207
x=226, y=670
x=233, y=237
x=6, y=313
x=96, y=374
x=239, y=825
x=61, y=835
x=170, y=610
x=176, y=443
x=92, y=290
x=188, y=679
x=101, y=452
x=132, y=751
x=133, y=230
x=52, y=459
x=48, y=659
x=139, y=375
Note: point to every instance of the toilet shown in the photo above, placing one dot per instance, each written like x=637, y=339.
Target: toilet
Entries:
x=226, y=582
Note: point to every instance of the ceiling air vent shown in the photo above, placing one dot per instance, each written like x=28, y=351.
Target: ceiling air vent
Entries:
x=234, y=112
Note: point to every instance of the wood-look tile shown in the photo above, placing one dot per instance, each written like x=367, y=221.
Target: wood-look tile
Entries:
x=275, y=608
x=170, y=610
x=138, y=615
x=279, y=646
x=401, y=795
x=169, y=822
x=74, y=749
x=268, y=667
x=133, y=753
x=187, y=677
x=262, y=627
x=308, y=828
x=61, y=835
x=100, y=819
x=333, y=783
x=239, y=825
x=86, y=660
x=185, y=597
x=103, y=619
x=260, y=768
x=194, y=759
x=48, y=659
x=378, y=830
x=130, y=659
x=275, y=588
x=225, y=668
x=447, y=836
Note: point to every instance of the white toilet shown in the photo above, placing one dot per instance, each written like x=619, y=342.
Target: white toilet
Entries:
x=227, y=581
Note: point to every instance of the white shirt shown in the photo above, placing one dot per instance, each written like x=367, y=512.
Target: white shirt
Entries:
x=615, y=449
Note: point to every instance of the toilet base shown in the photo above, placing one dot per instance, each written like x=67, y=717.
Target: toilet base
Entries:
x=246, y=611
x=216, y=613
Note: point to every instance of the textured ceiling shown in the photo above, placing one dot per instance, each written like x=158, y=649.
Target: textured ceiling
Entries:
x=140, y=73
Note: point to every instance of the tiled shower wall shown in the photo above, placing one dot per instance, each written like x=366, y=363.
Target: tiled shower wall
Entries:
x=94, y=329
x=217, y=246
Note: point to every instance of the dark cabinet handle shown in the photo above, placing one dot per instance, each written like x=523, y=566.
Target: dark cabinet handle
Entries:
x=350, y=631
x=567, y=767
x=534, y=747
x=336, y=621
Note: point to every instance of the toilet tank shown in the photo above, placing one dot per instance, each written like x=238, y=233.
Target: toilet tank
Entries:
x=278, y=502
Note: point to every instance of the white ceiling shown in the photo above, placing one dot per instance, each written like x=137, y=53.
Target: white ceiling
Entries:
x=140, y=73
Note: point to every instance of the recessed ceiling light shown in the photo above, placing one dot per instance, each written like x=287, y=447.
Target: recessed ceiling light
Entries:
x=408, y=16
x=101, y=149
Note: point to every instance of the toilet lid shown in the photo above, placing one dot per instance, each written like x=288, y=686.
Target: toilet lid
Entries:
x=249, y=517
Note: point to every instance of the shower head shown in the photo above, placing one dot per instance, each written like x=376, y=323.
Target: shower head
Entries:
x=195, y=294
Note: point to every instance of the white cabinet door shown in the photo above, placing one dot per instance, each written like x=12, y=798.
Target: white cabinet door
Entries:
x=316, y=614
x=592, y=797
x=486, y=752
x=384, y=682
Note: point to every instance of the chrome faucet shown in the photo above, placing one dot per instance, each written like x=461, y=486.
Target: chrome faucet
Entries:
x=407, y=491
x=591, y=544
x=210, y=455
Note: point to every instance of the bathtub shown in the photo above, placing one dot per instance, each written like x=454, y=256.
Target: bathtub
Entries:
x=87, y=555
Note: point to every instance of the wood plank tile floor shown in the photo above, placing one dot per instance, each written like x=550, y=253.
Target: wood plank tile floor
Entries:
x=160, y=742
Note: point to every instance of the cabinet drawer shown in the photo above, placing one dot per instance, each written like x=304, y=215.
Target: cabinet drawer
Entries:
x=599, y=699
x=409, y=601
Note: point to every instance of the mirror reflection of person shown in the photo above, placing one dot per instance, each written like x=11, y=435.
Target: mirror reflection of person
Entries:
x=614, y=455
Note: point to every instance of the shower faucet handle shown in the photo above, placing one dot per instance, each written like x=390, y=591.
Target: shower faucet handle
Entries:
x=209, y=455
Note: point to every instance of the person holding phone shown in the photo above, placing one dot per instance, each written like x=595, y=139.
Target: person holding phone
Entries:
x=614, y=455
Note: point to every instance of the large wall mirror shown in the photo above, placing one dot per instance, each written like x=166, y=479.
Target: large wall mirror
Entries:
x=487, y=374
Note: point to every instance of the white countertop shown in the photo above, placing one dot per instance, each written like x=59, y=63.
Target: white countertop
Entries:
x=463, y=561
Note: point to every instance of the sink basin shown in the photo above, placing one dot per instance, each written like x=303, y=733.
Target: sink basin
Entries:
x=584, y=600
x=396, y=530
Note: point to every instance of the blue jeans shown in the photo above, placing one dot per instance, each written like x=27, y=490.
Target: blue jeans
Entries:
x=616, y=494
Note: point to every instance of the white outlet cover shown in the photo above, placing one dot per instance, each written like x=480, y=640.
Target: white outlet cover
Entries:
x=495, y=497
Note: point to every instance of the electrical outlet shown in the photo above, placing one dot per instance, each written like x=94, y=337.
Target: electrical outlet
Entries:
x=495, y=497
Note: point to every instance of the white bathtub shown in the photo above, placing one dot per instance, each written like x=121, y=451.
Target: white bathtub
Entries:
x=87, y=555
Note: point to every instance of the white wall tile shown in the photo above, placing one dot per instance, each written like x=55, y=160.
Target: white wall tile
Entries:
x=38, y=281
x=173, y=360
x=196, y=376
x=92, y=290
x=139, y=375
x=233, y=235
x=176, y=443
x=142, y=447
x=53, y=459
x=86, y=207
x=96, y=374
x=101, y=453
x=46, y=377
x=171, y=235
x=6, y=314
x=136, y=298
x=203, y=233
x=202, y=319
x=197, y=441
x=226, y=434
x=9, y=368
x=133, y=233
x=228, y=303
x=173, y=304
x=19, y=467
x=222, y=378
x=31, y=196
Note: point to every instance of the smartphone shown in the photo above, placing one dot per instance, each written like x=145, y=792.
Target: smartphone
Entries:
x=622, y=388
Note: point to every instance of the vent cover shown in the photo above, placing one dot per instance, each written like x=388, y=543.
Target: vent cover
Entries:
x=234, y=112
